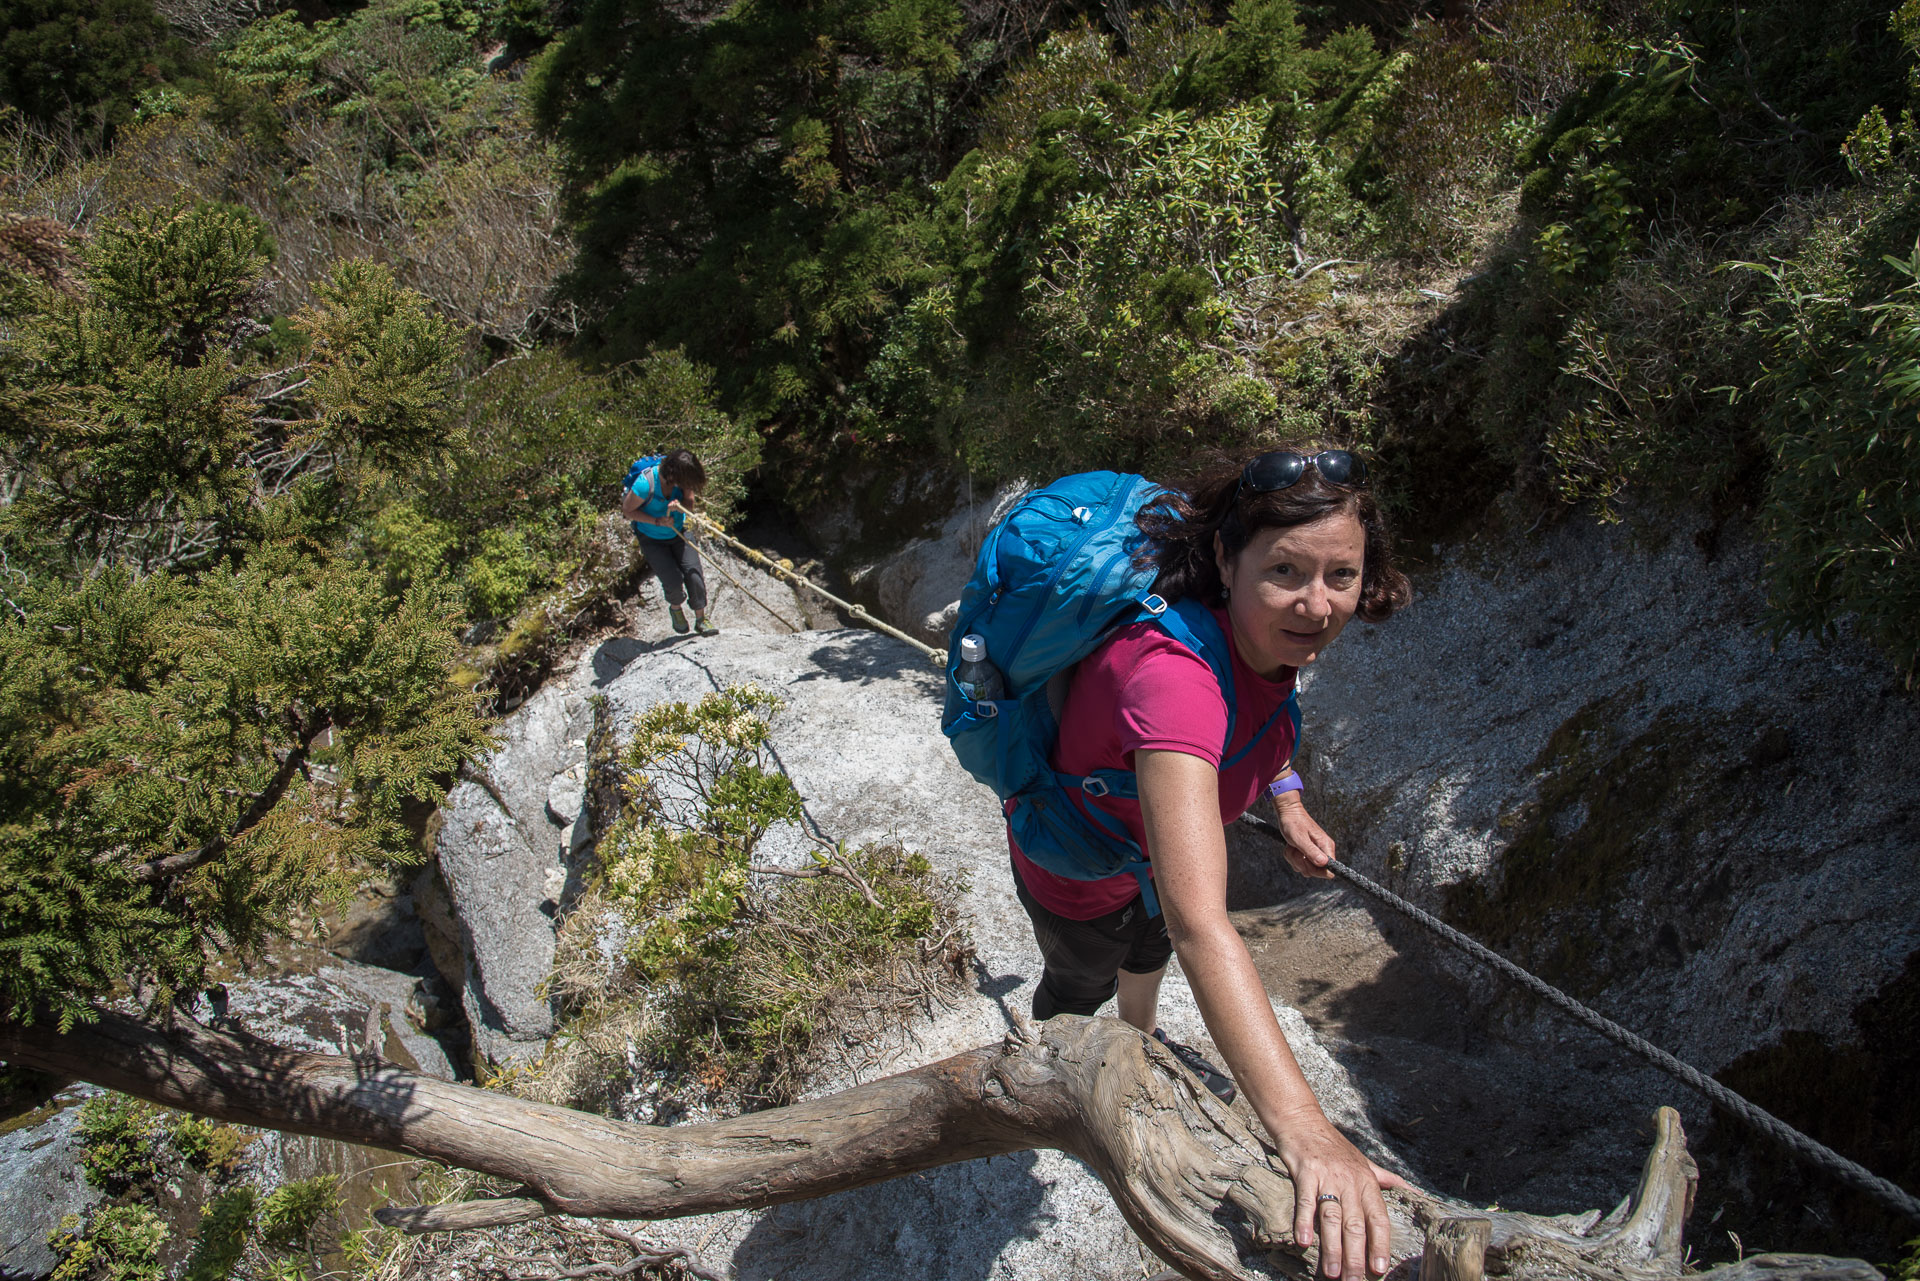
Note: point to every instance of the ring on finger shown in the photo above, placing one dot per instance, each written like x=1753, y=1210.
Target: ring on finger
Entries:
x=1325, y=1197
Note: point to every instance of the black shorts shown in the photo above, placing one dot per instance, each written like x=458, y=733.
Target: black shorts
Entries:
x=1084, y=958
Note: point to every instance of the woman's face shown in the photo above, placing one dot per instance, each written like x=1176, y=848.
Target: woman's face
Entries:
x=1290, y=591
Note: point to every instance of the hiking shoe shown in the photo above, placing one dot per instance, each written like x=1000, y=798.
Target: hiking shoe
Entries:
x=1210, y=1076
x=678, y=617
x=705, y=628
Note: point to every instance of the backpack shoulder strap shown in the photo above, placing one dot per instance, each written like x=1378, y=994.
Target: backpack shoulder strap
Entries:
x=1193, y=625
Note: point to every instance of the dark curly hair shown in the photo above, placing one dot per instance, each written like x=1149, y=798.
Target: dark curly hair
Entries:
x=1180, y=529
x=681, y=468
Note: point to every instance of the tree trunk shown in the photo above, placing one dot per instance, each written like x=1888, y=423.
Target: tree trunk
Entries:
x=1196, y=1185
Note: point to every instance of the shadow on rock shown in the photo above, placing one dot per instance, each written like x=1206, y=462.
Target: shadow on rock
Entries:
x=1541, y=1117
x=866, y=659
x=612, y=657
x=952, y=1222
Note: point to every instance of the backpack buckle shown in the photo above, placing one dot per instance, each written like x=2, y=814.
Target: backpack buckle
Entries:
x=985, y=711
x=1153, y=604
x=1093, y=786
x=1083, y=514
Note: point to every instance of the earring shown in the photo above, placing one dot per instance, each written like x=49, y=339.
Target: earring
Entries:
x=1226, y=593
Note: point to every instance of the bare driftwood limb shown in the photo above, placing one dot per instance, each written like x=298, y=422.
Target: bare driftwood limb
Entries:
x=1800, y=1267
x=1456, y=1250
x=1197, y=1186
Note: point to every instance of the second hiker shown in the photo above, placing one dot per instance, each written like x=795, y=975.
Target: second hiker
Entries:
x=659, y=497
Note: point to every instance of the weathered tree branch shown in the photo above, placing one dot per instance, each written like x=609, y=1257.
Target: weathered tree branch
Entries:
x=1196, y=1185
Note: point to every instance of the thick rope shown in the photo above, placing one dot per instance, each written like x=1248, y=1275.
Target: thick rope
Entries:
x=939, y=656
x=1812, y=1150
x=778, y=617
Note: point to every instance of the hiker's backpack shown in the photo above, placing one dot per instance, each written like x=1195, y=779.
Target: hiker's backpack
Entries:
x=1052, y=579
x=639, y=468
x=640, y=465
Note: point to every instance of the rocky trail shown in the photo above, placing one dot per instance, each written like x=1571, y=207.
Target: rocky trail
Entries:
x=1581, y=748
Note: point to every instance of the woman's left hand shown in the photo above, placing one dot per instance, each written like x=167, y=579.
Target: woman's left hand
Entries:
x=1309, y=848
x=1337, y=1201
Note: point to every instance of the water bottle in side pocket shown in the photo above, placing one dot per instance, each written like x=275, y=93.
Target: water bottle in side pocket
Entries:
x=978, y=679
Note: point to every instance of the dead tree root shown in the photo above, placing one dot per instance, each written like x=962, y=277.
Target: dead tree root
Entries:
x=1198, y=1187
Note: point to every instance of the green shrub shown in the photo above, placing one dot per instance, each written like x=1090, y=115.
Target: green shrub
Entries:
x=208, y=1146
x=115, y=1243
x=817, y=951
x=293, y=1212
x=1255, y=59
x=1646, y=392
x=1436, y=145
x=381, y=364
x=85, y=63
x=699, y=799
x=499, y=574
x=1544, y=50
x=1601, y=226
x=412, y=545
x=746, y=978
x=1731, y=105
x=1843, y=501
x=120, y=1141
x=226, y=1224
x=1908, y=1269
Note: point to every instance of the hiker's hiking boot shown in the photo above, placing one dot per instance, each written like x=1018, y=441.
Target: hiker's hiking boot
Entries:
x=704, y=628
x=1210, y=1076
x=678, y=617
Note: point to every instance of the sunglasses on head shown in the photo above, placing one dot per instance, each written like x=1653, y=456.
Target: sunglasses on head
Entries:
x=1283, y=468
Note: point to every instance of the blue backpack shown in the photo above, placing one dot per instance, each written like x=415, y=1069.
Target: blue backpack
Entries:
x=1052, y=579
x=640, y=465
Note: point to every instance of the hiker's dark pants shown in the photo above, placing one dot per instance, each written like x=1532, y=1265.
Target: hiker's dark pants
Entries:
x=677, y=565
x=1084, y=958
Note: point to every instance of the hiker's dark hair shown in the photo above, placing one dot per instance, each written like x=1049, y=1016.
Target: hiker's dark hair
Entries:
x=681, y=468
x=1180, y=529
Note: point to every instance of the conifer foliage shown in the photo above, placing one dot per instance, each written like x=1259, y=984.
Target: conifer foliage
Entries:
x=210, y=711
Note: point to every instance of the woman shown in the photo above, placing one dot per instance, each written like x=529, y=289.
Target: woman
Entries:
x=658, y=505
x=1285, y=550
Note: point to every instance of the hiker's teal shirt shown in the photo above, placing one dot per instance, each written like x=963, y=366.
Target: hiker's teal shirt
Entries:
x=654, y=504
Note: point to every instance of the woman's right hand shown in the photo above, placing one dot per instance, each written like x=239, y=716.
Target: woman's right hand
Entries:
x=1337, y=1201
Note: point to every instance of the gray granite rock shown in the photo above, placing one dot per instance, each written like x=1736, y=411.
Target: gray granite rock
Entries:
x=340, y=1007
x=1747, y=808
x=509, y=858
x=40, y=1181
x=918, y=587
x=328, y=1005
x=1587, y=747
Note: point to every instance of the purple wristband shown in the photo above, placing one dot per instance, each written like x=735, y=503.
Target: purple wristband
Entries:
x=1291, y=783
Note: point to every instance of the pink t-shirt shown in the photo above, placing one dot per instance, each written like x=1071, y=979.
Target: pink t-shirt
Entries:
x=1142, y=688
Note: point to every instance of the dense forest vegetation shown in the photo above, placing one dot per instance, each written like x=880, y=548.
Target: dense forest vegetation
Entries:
x=1530, y=253
x=326, y=332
